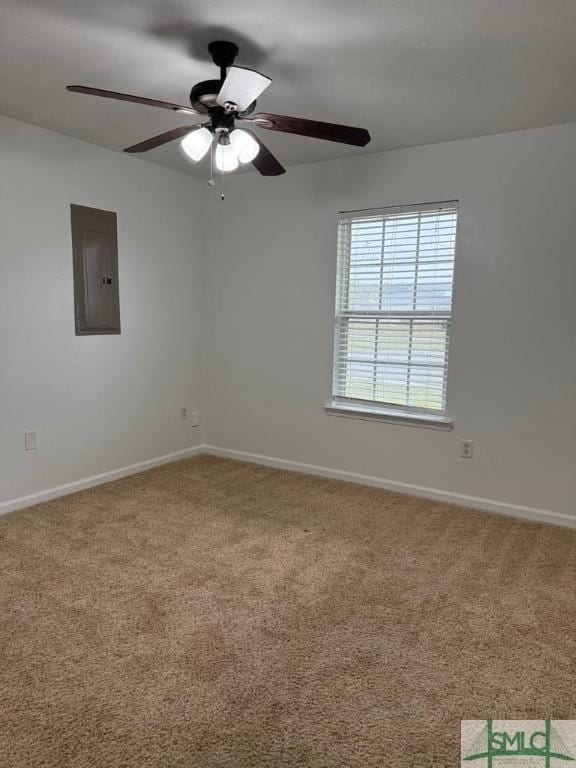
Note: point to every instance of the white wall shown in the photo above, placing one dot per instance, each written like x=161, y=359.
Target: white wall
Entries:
x=270, y=272
x=267, y=285
x=97, y=402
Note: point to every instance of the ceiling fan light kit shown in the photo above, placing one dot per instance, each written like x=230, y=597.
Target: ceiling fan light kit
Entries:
x=236, y=143
x=225, y=101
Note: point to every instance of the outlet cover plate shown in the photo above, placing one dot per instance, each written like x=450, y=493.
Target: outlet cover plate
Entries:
x=467, y=449
x=30, y=441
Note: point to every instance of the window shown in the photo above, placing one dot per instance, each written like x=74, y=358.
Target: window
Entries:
x=394, y=308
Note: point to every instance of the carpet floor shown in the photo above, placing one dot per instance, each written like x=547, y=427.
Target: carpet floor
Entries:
x=213, y=613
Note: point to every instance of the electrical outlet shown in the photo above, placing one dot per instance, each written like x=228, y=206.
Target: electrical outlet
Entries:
x=30, y=441
x=190, y=416
x=466, y=449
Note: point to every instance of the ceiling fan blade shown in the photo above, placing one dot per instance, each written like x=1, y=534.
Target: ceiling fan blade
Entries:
x=162, y=138
x=265, y=162
x=128, y=97
x=242, y=87
x=345, y=134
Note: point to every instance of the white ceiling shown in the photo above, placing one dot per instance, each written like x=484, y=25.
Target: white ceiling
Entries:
x=411, y=71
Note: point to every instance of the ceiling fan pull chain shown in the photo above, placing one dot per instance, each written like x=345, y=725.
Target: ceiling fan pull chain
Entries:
x=211, y=181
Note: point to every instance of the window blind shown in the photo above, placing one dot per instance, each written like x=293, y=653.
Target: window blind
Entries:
x=394, y=306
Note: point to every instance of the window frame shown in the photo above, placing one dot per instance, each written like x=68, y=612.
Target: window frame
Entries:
x=340, y=405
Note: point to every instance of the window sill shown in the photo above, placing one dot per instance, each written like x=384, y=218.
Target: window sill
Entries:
x=428, y=421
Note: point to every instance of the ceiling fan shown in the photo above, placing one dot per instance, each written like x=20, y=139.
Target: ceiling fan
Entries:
x=225, y=102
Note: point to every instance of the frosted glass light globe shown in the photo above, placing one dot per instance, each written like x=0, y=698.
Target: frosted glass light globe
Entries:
x=225, y=158
x=196, y=143
x=244, y=145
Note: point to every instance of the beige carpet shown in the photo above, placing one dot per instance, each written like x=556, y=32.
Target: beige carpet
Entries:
x=216, y=613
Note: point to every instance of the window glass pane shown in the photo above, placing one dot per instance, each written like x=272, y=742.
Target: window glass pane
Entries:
x=398, y=361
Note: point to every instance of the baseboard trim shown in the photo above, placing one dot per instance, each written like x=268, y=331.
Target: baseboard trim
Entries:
x=476, y=502
x=89, y=482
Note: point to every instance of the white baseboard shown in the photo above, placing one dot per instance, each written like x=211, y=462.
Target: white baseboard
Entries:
x=476, y=502
x=89, y=482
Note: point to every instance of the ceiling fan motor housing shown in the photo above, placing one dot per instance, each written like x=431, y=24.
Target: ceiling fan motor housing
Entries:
x=203, y=96
x=203, y=99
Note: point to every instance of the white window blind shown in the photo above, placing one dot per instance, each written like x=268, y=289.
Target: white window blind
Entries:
x=394, y=306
